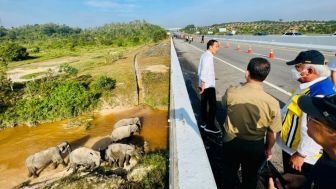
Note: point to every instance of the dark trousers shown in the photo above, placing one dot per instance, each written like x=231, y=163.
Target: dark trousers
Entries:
x=247, y=154
x=208, y=100
x=305, y=169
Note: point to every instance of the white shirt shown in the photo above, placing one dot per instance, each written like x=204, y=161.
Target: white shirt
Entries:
x=307, y=145
x=206, y=70
x=332, y=65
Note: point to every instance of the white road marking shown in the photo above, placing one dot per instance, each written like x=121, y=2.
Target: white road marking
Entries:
x=273, y=58
x=243, y=71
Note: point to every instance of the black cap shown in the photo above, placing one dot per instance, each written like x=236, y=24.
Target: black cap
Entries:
x=308, y=57
x=322, y=108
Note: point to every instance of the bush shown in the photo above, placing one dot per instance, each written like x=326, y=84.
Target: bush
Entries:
x=103, y=83
x=35, y=50
x=112, y=57
x=157, y=178
x=159, y=35
x=5, y=89
x=13, y=52
x=68, y=69
x=55, y=100
x=85, y=80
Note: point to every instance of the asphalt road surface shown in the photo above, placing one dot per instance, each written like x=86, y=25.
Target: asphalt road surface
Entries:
x=230, y=66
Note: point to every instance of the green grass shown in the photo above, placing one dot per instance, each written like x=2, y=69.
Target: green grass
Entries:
x=154, y=83
x=48, y=54
x=33, y=75
x=156, y=88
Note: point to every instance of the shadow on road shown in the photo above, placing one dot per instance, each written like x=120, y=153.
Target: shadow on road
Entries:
x=212, y=143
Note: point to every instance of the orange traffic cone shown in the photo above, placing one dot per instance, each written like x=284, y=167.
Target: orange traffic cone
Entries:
x=271, y=54
x=249, y=50
x=227, y=45
x=238, y=47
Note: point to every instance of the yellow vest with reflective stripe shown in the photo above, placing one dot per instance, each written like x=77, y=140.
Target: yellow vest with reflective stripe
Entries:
x=290, y=133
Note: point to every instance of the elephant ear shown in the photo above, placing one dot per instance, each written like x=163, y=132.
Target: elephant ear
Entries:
x=66, y=148
x=62, y=147
x=138, y=123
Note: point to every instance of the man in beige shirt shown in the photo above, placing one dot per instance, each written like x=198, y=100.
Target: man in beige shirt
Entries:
x=252, y=115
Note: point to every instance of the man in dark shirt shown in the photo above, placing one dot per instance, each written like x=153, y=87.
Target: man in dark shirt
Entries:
x=322, y=129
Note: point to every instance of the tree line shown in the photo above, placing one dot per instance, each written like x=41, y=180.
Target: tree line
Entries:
x=17, y=43
x=268, y=27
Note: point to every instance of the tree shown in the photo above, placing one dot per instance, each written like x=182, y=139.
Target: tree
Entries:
x=3, y=31
x=13, y=52
x=5, y=84
x=103, y=83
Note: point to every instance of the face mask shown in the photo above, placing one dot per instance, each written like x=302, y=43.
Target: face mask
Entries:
x=295, y=74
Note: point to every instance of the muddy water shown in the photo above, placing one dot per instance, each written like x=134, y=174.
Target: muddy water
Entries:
x=16, y=144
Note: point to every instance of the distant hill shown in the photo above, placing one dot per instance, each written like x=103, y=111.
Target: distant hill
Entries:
x=268, y=27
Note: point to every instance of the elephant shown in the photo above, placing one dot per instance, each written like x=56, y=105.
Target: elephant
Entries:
x=128, y=121
x=123, y=132
x=86, y=157
x=119, y=153
x=43, y=158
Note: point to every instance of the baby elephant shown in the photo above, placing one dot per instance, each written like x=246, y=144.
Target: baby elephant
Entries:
x=119, y=153
x=128, y=121
x=123, y=132
x=86, y=157
x=43, y=158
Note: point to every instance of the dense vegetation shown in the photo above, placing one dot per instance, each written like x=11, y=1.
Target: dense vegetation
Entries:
x=50, y=98
x=270, y=27
x=16, y=43
x=13, y=52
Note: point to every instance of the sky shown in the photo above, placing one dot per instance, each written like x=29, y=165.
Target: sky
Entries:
x=166, y=13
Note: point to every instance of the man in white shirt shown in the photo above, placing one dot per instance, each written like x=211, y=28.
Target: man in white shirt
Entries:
x=206, y=85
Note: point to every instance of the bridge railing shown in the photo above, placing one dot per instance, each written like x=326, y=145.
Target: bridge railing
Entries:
x=189, y=165
x=327, y=43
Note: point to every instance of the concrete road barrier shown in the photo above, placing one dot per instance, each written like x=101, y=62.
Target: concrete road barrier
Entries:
x=189, y=165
